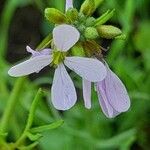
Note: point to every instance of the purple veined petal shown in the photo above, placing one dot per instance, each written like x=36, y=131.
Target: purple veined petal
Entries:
x=33, y=52
x=30, y=66
x=116, y=92
x=46, y=51
x=69, y=4
x=107, y=109
x=86, y=93
x=65, y=36
x=63, y=92
x=88, y=68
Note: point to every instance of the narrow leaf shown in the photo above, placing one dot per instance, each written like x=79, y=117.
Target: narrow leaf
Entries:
x=105, y=17
x=47, y=127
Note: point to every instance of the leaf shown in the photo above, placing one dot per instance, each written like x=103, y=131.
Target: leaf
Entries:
x=33, y=137
x=47, y=127
x=105, y=17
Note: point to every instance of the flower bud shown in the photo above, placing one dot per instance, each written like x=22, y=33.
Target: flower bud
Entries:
x=55, y=16
x=77, y=50
x=88, y=7
x=90, y=21
x=91, y=33
x=72, y=14
x=108, y=31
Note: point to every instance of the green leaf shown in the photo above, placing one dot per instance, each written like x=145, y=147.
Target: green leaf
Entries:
x=105, y=17
x=29, y=147
x=47, y=127
x=45, y=43
x=33, y=137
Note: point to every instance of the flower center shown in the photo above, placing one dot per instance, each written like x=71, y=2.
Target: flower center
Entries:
x=58, y=57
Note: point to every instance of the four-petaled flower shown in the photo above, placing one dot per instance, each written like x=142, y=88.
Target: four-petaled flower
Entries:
x=63, y=92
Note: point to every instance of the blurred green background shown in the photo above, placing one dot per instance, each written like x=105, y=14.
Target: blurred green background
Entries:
x=22, y=23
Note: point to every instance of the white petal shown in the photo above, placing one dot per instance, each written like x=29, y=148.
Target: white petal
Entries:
x=88, y=68
x=65, y=36
x=30, y=66
x=107, y=109
x=63, y=90
x=86, y=93
x=116, y=92
x=69, y=4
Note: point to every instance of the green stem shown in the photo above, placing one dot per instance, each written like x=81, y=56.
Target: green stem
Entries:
x=30, y=118
x=11, y=104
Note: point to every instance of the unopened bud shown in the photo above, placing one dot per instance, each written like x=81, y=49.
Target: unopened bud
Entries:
x=55, y=16
x=108, y=31
x=77, y=50
x=91, y=33
x=88, y=7
x=72, y=14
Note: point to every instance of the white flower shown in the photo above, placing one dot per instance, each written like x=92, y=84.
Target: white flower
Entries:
x=63, y=91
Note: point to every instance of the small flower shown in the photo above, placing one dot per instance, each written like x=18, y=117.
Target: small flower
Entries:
x=63, y=91
x=112, y=95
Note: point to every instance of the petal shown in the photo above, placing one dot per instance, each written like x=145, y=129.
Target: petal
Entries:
x=46, y=51
x=65, y=36
x=30, y=50
x=30, y=66
x=88, y=68
x=103, y=100
x=63, y=90
x=86, y=93
x=116, y=92
x=69, y=4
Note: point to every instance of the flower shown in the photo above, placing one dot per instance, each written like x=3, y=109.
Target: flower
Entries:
x=63, y=92
x=112, y=94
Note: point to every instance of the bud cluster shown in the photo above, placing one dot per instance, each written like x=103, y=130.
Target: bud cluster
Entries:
x=90, y=28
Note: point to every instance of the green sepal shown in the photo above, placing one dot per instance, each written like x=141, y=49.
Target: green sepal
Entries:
x=88, y=7
x=91, y=33
x=72, y=14
x=98, y=3
x=34, y=137
x=121, y=37
x=91, y=48
x=51, y=126
x=108, y=31
x=77, y=50
x=55, y=16
x=105, y=17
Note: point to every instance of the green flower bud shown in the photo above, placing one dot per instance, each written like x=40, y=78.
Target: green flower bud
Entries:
x=72, y=14
x=91, y=33
x=55, y=16
x=98, y=3
x=108, y=31
x=88, y=7
x=90, y=21
x=77, y=50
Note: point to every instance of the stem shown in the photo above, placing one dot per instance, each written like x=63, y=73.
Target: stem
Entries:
x=11, y=104
x=30, y=117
